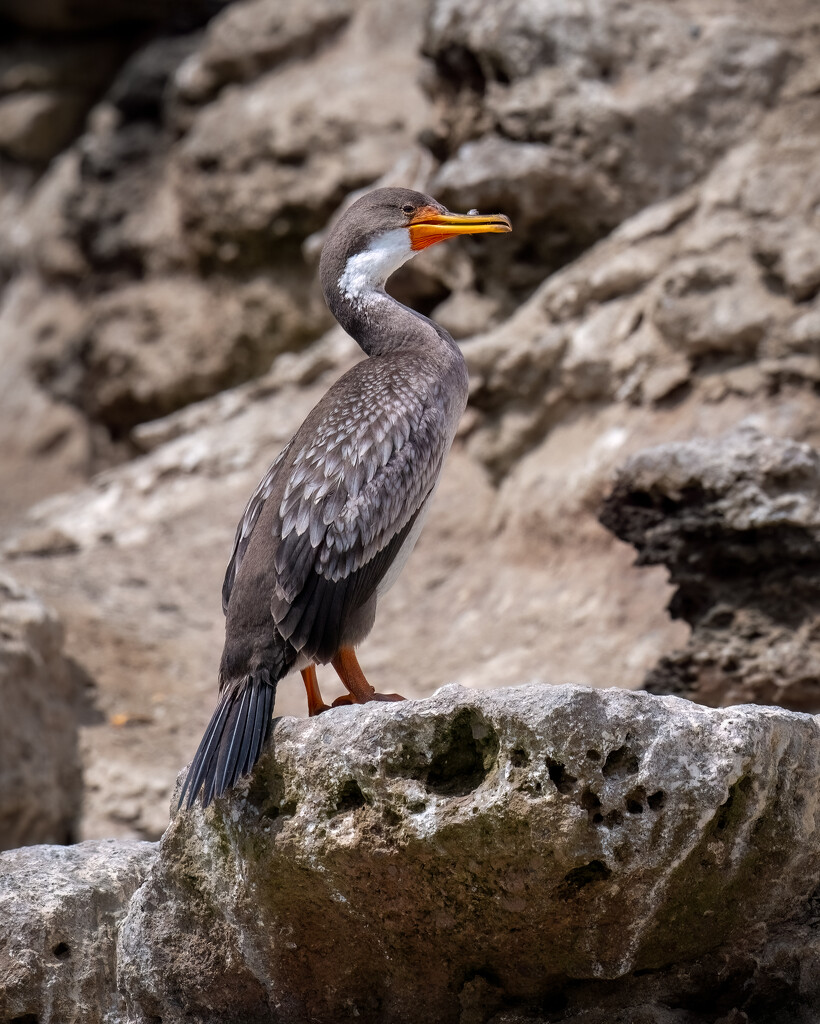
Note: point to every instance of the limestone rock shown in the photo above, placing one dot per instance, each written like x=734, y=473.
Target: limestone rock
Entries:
x=60, y=911
x=252, y=37
x=574, y=116
x=41, y=693
x=47, y=85
x=737, y=522
x=694, y=298
x=515, y=849
x=149, y=348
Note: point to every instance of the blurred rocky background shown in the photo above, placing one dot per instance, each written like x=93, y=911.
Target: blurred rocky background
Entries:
x=167, y=171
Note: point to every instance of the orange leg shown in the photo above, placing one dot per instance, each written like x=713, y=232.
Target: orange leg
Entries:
x=314, y=698
x=360, y=691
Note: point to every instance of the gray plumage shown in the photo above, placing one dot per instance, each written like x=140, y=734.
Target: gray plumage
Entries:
x=336, y=514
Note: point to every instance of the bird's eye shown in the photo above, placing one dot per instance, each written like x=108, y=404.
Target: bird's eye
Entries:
x=408, y=208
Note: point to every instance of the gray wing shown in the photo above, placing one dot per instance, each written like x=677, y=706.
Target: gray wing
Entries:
x=248, y=522
x=351, y=500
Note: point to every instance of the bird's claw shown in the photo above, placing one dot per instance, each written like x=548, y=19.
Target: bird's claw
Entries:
x=348, y=698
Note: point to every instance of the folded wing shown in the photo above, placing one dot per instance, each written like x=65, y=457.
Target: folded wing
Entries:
x=353, y=495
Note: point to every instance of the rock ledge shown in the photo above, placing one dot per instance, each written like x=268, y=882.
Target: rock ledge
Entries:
x=488, y=852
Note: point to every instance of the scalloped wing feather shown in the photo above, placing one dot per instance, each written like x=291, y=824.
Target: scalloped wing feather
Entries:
x=247, y=523
x=347, y=509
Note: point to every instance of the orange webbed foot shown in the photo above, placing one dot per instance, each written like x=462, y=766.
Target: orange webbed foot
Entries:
x=350, y=672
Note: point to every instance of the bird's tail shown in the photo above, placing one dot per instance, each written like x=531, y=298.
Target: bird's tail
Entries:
x=234, y=739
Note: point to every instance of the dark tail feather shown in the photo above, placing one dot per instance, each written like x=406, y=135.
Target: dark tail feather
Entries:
x=233, y=741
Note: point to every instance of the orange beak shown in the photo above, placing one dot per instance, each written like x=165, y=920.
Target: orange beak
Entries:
x=428, y=226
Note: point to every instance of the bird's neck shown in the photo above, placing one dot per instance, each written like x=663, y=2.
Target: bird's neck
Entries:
x=380, y=324
x=355, y=294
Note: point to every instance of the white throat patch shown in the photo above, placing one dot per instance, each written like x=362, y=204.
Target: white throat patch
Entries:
x=365, y=273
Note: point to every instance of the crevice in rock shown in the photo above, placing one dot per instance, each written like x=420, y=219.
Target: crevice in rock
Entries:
x=620, y=763
x=635, y=800
x=519, y=758
x=467, y=750
x=561, y=778
x=464, y=752
x=268, y=794
x=591, y=803
x=458, y=68
x=350, y=797
x=579, y=878
x=732, y=810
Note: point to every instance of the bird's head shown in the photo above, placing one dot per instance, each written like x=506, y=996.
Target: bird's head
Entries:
x=383, y=229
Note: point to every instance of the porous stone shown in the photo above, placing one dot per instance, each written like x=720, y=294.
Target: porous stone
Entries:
x=201, y=175
x=60, y=911
x=736, y=520
x=512, y=848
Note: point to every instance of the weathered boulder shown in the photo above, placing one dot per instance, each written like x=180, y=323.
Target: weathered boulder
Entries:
x=149, y=348
x=737, y=522
x=41, y=694
x=60, y=911
x=692, y=299
x=574, y=116
x=543, y=850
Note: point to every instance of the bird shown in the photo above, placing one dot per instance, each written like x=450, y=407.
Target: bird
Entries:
x=331, y=524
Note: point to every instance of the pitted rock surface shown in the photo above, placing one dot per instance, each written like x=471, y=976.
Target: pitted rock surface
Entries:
x=60, y=910
x=519, y=842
